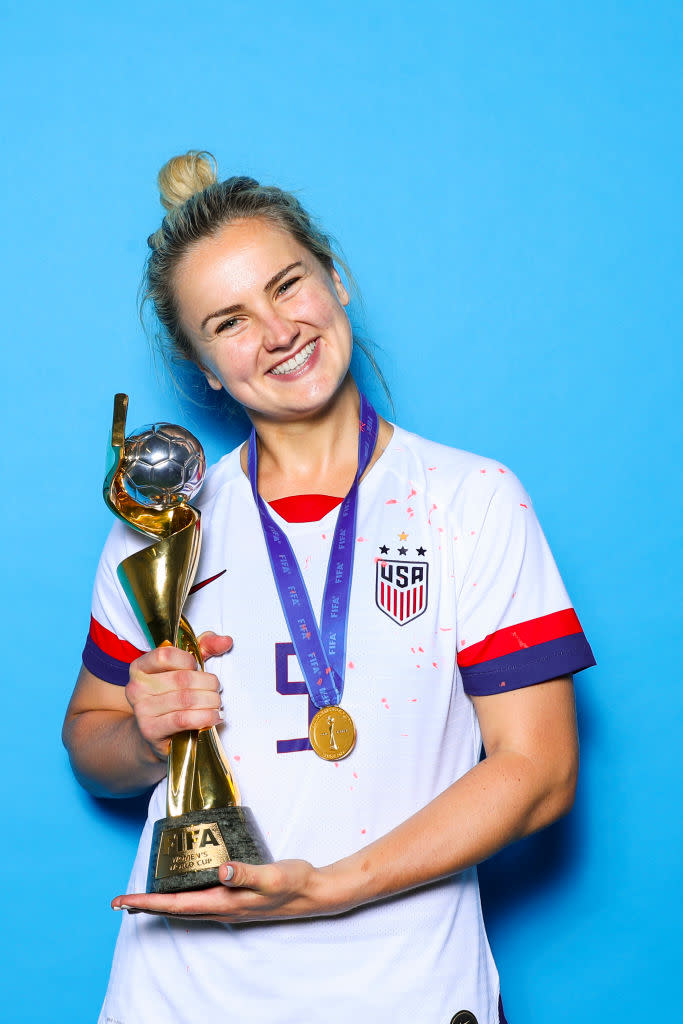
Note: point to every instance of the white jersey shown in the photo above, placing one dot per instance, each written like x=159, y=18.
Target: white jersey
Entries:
x=454, y=593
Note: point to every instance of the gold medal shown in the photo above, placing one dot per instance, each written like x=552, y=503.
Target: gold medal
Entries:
x=332, y=733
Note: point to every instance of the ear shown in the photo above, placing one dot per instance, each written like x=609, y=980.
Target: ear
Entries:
x=341, y=291
x=211, y=378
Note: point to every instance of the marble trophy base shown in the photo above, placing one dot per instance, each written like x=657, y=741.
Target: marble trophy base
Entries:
x=188, y=850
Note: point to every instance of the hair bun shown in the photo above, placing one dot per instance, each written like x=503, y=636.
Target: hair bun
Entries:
x=183, y=176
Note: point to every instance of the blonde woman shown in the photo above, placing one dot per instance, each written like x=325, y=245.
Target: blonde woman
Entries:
x=440, y=620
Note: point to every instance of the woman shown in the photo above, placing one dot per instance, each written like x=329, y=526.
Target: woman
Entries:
x=457, y=628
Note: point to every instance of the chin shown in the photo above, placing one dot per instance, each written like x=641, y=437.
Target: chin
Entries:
x=307, y=398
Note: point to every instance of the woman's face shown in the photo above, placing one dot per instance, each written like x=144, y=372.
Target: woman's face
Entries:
x=266, y=320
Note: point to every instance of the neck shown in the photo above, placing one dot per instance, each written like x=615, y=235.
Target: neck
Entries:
x=315, y=455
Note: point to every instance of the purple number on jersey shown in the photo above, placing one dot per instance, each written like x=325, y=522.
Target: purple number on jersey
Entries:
x=289, y=688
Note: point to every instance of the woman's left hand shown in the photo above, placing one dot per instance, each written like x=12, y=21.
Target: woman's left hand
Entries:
x=249, y=892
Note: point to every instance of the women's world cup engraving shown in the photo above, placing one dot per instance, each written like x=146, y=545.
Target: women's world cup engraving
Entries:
x=153, y=474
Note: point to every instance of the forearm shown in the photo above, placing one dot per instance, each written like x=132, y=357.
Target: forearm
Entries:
x=501, y=799
x=109, y=755
x=525, y=783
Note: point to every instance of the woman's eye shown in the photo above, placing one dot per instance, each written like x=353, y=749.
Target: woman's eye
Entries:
x=227, y=324
x=286, y=285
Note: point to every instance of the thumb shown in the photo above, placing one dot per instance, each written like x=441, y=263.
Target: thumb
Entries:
x=213, y=644
x=238, y=875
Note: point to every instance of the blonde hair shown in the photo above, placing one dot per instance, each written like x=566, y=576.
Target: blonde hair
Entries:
x=182, y=176
x=198, y=206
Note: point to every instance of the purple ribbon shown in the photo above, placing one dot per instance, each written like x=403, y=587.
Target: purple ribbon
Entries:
x=321, y=651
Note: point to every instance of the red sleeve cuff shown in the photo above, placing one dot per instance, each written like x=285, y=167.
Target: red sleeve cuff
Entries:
x=107, y=656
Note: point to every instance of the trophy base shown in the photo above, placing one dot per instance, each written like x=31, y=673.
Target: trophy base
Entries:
x=188, y=850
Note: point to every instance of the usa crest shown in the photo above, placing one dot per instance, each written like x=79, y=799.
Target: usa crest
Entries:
x=401, y=589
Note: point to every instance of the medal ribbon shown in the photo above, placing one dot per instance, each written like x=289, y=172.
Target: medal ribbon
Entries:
x=321, y=651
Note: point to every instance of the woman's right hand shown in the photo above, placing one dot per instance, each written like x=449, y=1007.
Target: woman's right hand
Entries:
x=169, y=694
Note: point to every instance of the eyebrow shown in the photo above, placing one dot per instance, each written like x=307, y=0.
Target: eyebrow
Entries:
x=275, y=279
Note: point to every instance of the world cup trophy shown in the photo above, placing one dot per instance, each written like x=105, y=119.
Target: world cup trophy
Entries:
x=151, y=477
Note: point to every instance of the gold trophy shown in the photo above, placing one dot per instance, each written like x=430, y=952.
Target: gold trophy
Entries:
x=153, y=474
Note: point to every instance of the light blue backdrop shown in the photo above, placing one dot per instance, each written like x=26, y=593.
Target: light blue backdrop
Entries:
x=505, y=180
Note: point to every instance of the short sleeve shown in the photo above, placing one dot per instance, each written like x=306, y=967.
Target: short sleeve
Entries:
x=516, y=625
x=115, y=638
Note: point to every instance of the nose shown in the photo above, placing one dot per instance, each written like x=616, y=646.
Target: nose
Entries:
x=279, y=333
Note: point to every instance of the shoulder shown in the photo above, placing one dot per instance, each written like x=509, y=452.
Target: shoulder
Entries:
x=121, y=541
x=219, y=478
x=454, y=474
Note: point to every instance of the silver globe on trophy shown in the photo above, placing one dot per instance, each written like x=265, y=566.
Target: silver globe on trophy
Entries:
x=152, y=475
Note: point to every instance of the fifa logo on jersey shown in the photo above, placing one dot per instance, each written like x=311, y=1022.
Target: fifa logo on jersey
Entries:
x=401, y=589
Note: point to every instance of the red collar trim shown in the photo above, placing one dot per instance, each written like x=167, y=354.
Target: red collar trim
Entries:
x=305, y=508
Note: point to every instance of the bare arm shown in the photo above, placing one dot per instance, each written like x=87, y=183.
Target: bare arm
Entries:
x=106, y=749
x=118, y=737
x=525, y=783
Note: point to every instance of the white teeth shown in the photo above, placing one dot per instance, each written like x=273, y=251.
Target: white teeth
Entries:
x=296, y=361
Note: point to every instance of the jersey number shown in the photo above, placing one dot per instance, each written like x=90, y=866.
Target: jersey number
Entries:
x=289, y=688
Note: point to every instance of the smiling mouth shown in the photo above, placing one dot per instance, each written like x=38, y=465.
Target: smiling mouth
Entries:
x=297, y=361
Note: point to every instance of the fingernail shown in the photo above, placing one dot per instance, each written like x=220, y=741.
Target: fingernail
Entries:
x=221, y=714
x=117, y=908
x=229, y=875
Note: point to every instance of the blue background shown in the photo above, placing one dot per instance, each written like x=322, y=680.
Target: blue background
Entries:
x=505, y=180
